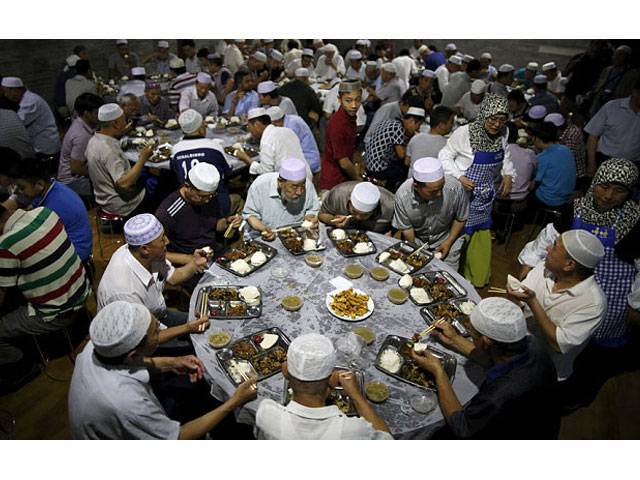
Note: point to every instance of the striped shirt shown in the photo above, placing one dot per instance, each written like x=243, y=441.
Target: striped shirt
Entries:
x=37, y=257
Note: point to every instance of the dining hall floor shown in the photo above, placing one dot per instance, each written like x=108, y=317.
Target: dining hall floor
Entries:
x=40, y=407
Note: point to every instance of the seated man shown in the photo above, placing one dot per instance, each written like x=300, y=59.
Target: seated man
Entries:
x=138, y=271
x=433, y=207
x=279, y=199
x=360, y=205
x=154, y=107
x=199, y=97
x=563, y=299
x=518, y=378
x=37, y=258
x=115, y=181
x=311, y=360
x=111, y=396
x=307, y=140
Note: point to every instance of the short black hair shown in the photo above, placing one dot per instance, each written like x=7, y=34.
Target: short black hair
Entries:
x=188, y=43
x=78, y=49
x=474, y=66
x=513, y=132
x=545, y=131
x=203, y=52
x=87, y=102
x=440, y=114
x=8, y=157
x=29, y=169
x=83, y=67
x=517, y=96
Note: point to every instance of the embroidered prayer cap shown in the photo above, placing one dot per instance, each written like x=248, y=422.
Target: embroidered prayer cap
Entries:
x=365, y=197
x=584, y=247
x=427, y=169
x=109, y=112
x=142, y=229
x=205, y=177
x=275, y=113
x=119, y=327
x=203, y=77
x=499, y=319
x=190, y=121
x=311, y=357
x=293, y=169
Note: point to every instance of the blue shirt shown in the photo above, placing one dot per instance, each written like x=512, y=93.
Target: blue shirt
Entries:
x=69, y=207
x=433, y=61
x=246, y=103
x=307, y=140
x=556, y=173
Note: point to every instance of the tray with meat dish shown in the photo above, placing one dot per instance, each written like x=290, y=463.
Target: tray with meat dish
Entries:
x=432, y=287
x=351, y=242
x=398, y=258
x=229, y=302
x=394, y=359
x=456, y=312
x=258, y=355
x=300, y=240
x=337, y=395
x=246, y=259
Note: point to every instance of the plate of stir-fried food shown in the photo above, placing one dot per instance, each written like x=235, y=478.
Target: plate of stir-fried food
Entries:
x=351, y=304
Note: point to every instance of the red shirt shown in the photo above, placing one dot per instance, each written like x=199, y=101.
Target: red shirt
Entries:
x=340, y=143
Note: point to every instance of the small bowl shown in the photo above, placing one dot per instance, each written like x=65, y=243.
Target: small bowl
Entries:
x=314, y=260
x=353, y=270
x=379, y=273
x=367, y=334
x=219, y=339
x=397, y=296
x=292, y=303
x=377, y=392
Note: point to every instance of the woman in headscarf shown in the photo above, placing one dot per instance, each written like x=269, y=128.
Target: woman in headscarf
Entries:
x=475, y=154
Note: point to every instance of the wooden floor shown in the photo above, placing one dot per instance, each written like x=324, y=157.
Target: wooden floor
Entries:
x=40, y=407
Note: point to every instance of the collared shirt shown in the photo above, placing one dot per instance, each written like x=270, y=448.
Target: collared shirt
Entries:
x=76, y=86
x=107, y=163
x=39, y=121
x=14, y=135
x=524, y=162
x=69, y=207
x=618, y=128
x=162, y=109
x=547, y=100
x=204, y=106
x=119, y=67
x=379, y=150
x=115, y=402
x=424, y=145
x=576, y=312
x=430, y=220
x=126, y=279
x=332, y=71
x=307, y=140
x=391, y=91
x=134, y=87
x=388, y=111
x=459, y=84
x=572, y=137
x=264, y=202
x=192, y=64
x=556, y=174
x=181, y=82
x=469, y=109
x=246, y=103
x=336, y=202
x=297, y=422
x=74, y=146
x=277, y=144
x=340, y=142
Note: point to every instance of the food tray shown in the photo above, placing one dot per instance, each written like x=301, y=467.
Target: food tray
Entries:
x=460, y=321
x=337, y=396
x=352, y=240
x=402, y=250
x=253, y=246
x=227, y=355
x=451, y=286
x=250, y=150
x=298, y=236
x=395, y=342
x=226, y=304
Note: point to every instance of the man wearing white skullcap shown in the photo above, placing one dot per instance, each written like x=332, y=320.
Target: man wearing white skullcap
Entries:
x=199, y=97
x=543, y=96
x=361, y=205
x=122, y=61
x=563, y=300
x=269, y=96
x=310, y=371
x=432, y=207
x=157, y=62
x=469, y=104
x=303, y=132
x=111, y=396
x=278, y=199
x=391, y=88
x=330, y=64
x=519, y=376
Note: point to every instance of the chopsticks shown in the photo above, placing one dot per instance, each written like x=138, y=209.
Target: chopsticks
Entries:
x=496, y=290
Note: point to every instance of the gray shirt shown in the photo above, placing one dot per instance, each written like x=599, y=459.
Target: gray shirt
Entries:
x=431, y=220
x=14, y=135
x=424, y=145
x=336, y=202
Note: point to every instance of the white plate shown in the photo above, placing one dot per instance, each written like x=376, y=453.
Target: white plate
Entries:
x=329, y=298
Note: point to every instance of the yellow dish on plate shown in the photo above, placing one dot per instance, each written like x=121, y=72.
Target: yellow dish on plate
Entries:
x=379, y=273
x=219, y=339
x=353, y=270
x=377, y=392
x=292, y=303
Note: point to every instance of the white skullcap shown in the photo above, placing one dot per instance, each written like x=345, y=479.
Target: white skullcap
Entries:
x=122, y=42
x=275, y=113
x=203, y=77
x=499, y=319
x=506, y=68
x=293, y=169
x=365, y=197
x=427, y=169
x=12, y=82
x=584, y=247
x=267, y=87
x=72, y=60
x=261, y=57
x=537, y=112
x=119, y=327
x=371, y=63
x=256, y=112
x=478, y=87
x=356, y=55
x=451, y=46
x=540, y=79
x=549, y=66
x=486, y=56
x=311, y=357
x=302, y=72
x=276, y=55
x=389, y=67
x=109, y=112
x=190, y=121
x=428, y=73
x=142, y=229
x=205, y=177
x=467, y=58
x=176, y=62
x=163, y=44
x=416, y=112
x=455, y=59
x=136, y=71
x=307, y=52
x=532, y=66
x=556, y=118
